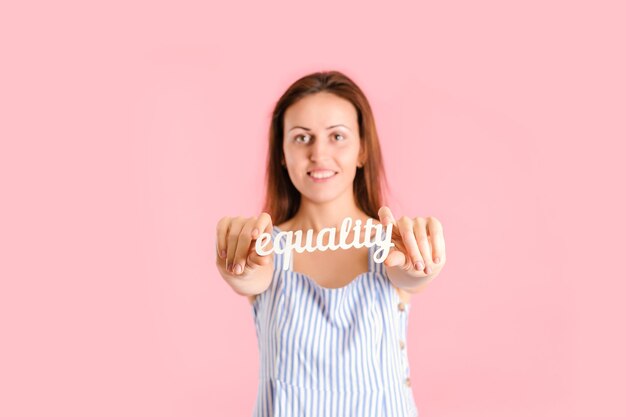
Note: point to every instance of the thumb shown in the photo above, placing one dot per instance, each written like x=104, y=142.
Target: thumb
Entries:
x=254, y=259
x=395, y=258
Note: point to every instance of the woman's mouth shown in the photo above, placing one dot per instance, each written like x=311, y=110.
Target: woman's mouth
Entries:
x=321, y=176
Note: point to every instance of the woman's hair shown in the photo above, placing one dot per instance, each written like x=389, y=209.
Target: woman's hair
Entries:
x=282, y=199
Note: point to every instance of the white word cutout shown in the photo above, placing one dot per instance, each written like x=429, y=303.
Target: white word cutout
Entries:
x=379, y=256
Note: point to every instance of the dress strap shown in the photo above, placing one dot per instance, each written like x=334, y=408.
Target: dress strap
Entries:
x=280, y=243
x=374, y=266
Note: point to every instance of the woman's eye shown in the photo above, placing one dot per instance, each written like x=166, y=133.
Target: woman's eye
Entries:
x=307, y=137
x=300, y=136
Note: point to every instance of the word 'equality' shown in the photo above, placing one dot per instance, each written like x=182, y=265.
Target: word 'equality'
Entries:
x=379, y=256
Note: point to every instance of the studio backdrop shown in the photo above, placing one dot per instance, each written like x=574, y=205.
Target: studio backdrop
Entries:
x=128, y=129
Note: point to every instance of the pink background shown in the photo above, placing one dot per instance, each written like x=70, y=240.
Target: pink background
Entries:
x=128, y=130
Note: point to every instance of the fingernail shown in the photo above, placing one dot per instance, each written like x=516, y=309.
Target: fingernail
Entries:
x=255, y=232
x=419, y=266
x=223, y=253
x=428, y=270
x=437, y=260
x=387, y=220
x=238, y=269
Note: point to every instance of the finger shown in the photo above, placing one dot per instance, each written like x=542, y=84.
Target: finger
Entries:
x=438, y=245
x=243, y=246
x=423, y=243
x=232, y=238
x=222, y=229
x=219, y=262
x=385, y=216
x=263, y=223
x=405, y=226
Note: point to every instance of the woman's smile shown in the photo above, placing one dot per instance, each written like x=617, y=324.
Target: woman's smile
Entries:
x=321, y=175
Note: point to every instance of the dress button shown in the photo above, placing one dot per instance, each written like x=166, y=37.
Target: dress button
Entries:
x=401, y=306
x=408, y=382
x=401, y=344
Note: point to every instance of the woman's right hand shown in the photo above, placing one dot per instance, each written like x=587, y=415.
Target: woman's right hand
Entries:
x=236, y=240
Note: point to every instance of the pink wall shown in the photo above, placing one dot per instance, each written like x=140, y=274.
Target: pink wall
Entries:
x=128, y=130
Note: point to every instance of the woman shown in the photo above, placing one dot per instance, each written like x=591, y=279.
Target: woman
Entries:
x=332, y=327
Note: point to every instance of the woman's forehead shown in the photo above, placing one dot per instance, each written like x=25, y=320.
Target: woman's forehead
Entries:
x=320, y=111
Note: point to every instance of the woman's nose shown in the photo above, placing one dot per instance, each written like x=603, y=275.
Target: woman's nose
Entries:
x=319, y=150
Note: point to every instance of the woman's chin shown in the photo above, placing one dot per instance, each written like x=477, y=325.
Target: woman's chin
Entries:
x=320, y=196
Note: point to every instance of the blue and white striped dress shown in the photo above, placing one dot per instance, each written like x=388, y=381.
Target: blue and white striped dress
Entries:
x=332, y=351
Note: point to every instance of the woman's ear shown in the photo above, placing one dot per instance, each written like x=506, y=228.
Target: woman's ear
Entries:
x=362, y=159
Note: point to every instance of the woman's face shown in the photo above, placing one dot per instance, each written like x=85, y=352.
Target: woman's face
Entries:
x=322, y=146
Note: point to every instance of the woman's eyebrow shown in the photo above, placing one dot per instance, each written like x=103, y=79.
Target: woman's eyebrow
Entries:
x=307, y=129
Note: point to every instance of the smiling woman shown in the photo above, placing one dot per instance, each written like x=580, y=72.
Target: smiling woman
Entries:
x=332, y=326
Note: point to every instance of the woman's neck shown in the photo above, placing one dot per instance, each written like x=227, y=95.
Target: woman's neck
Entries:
x=318, y=217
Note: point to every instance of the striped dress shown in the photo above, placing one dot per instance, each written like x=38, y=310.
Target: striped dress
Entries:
x=332, y=351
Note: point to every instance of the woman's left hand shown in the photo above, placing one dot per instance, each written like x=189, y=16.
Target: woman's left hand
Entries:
x=419, y=245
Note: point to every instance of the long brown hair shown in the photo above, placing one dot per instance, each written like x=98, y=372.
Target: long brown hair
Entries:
x=282, y=199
